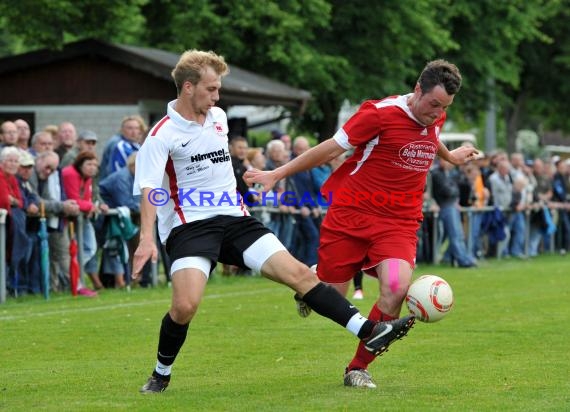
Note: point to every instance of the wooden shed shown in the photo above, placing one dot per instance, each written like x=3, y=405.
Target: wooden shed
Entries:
x=94, y=84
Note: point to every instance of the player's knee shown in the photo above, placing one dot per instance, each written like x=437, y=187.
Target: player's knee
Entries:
x=300, y=278
x=401, y=292
x=183, y=311
x=397, y=289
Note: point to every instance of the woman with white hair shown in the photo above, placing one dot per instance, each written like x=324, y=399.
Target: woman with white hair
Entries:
x=11, y=200
x=9, y=191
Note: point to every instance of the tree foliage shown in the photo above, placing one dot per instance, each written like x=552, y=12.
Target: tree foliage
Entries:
x=277, y=38
x=383, y=46
x=490, y=34
x=545, y=72
x=33, y=24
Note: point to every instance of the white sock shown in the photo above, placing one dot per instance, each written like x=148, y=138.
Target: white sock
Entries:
x=355, y=323
x=164, y=370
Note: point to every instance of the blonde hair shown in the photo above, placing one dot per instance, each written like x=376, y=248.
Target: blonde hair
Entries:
x=138, y=119
x=51, y=129
x=251, y=153
x=192, y=64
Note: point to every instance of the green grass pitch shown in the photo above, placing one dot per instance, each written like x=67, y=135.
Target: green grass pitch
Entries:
x=504, y=347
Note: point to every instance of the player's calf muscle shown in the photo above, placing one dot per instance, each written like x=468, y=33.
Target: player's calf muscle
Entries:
x=283, y=268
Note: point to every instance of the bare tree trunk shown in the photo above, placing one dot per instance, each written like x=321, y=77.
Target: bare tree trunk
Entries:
x=491, y=118
x=328, y=125
x=330, y=106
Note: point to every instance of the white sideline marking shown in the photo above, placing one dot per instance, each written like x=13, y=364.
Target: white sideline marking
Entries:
x=128, y=305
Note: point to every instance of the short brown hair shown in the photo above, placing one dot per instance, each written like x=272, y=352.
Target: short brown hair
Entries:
x=192, y=63
x=81, y=158
x=236, y=139
x=440, y=73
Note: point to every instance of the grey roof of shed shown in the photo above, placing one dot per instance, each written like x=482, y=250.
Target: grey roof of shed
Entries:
x=239, y=86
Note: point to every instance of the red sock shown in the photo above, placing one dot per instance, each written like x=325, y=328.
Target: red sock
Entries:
x=362, y=357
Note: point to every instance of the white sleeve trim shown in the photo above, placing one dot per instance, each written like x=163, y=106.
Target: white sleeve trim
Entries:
x=342, y=139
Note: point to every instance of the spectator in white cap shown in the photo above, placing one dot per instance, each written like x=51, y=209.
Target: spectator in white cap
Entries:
x=30, y=268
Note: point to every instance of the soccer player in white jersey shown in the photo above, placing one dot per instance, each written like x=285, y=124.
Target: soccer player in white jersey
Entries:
x=185, y=177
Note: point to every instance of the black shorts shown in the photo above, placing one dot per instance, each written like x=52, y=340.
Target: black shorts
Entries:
x=219, y=238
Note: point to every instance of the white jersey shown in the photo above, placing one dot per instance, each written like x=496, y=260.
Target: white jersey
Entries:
x=188, y=167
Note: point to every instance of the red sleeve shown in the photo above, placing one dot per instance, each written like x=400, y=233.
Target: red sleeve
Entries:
x=364, y=125
x=4, y=197
x=72, y=186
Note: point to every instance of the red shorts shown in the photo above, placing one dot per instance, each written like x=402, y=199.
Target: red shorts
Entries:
x=351, y=241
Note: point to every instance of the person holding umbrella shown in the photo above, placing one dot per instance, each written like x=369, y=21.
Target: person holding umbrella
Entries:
x=56, y=209
x=29, y=265
x=77, y=184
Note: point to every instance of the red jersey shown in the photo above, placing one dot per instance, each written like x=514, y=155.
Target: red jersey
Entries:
x=393, y=152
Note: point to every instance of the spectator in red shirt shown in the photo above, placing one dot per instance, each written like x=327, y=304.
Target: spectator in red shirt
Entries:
x=77, y=184
x=11, y=200
x=10, y=195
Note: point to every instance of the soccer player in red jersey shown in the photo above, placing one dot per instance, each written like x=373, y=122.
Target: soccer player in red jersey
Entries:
x=376, y=195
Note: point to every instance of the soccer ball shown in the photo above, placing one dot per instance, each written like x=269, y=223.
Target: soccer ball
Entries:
x=429, y=298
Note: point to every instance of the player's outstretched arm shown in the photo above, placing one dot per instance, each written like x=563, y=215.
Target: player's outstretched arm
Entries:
x=322, y=153
x=458, y=156
x=147, y=246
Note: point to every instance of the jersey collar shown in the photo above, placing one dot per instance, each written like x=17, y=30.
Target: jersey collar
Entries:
x=183, y=123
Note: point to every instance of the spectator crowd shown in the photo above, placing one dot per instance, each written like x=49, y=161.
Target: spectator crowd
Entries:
x=55, y=176
x=497, y=206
